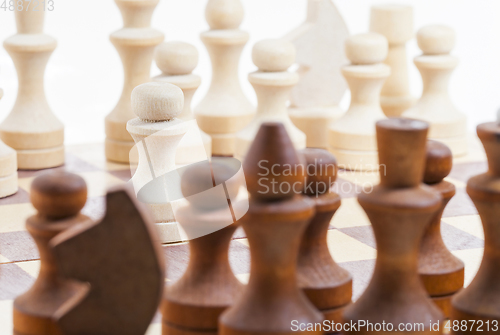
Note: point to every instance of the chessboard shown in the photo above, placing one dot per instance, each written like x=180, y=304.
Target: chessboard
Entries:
x=350, y=237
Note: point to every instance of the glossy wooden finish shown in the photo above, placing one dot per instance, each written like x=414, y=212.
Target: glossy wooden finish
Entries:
x=400, y=209
x=58, y=198
x=327, y=285
x=193, y=304
x=480, y=301
x=441, y=272
x=117, y=266
x=274, y=226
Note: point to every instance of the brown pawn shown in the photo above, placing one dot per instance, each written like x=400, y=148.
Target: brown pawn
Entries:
x=58, y=197
x=441, y=272
x=274, y=225
x=400, y=208
x=480, y=301
x=327, y=285
x=193, y=304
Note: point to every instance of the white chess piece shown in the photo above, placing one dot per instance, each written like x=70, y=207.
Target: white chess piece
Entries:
x=177, y=60
x=8, y=168
x=352, y=137
x=224, y=110
x=135, y=44
x=395, y=22
x=31, y=128
x=447, y=124
x=272, y=84
x=157, y=133
x=319, y=42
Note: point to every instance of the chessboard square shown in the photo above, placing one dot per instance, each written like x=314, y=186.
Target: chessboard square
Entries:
x=460, y=205
x=4, y=259
x=30, y=267
x=350, y=214
x=14, y=217
x=470, y=224
x=6, y=326
x=362, y=234
x=18, y=246
x=20, y=197
x=344, y=248
x=472, y=260
x=361, y=272
x=13, y=281
x=178, y=258
x=98, y=182
x=239, y=257
x=456, y=239
x=464, y=171
x=154, y=329
x=456, y=182
x=243, y=277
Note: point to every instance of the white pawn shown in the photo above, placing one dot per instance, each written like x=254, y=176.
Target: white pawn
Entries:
x=447, y=123
x=224, y=110
x=177, y=60
x=31, y=128
x=395, y=22
x=272, y=84
x=8, y=168
x=157, y=133
x=352, y=137
x=135, y=43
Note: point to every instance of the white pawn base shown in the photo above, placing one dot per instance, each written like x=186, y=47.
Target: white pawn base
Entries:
x=8, y=185
x=458, y=145
x=314, y=123
x=195, y=146
x=169, y=232
x=37, y=159
x=356, y=160
x=118, y=151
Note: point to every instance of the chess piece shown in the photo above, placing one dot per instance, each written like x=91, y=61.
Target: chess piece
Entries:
x=480, y=301
x=327, y=285
x=8, y=168
x=441, y=272
x=395, y=22
x=320, y=44
x=448, y=125
x=157, y=131
x=272, y=84
x=272, y=299
x=399, y=209
x=118, y=267
x=177, y=60
x=352, y=137
x=58, y=197
x=194, y=303
x=31, y=128
x=135, y=44
x=224, y=110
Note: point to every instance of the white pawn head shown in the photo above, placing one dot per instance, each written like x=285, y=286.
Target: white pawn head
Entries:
x=436, y=40
x=273, y=55
x=155, y=102
x=176, y=58
x=224, y=14
x=366, y=49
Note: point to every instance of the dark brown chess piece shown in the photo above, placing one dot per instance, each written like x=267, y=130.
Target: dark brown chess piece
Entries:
x=193, y=304
x=118, y=266
x=58, y=197
x=400, y=209
x=441, y=272
x=478, y=305
x=327, y=285
x=274, y=225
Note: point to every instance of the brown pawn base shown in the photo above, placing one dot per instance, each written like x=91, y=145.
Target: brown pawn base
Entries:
x=444, y=303
x=168, y=329
x=334, y=316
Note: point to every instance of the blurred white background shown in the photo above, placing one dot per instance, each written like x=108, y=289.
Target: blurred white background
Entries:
x=84, y=76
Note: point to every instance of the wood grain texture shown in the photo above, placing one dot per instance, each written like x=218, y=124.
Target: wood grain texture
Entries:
x=118, y=267
x=399, y=209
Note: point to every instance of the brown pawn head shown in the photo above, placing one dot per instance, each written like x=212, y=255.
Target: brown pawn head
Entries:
x=438, y=162
x=273, y=168
x=401, y=151
x=200, y=178
x=58, y=194
x=321, y=171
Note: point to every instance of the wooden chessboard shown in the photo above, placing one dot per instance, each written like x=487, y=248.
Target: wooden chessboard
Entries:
x=350, y=236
